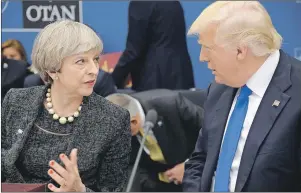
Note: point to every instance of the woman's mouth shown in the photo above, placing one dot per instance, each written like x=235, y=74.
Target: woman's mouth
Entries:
x=90, y=82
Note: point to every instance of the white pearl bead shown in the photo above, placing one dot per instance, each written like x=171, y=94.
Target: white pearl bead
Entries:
x=70, y=119
x=76, y=114
x=48, y=95
x=62, y=120
x=49, y=105
x=51, y=111
x=79, y=108
x=48, y=99
x=49, y=90
x=55, y=117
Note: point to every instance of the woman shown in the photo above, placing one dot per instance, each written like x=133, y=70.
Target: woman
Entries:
x=13, y=49
x=63, y=132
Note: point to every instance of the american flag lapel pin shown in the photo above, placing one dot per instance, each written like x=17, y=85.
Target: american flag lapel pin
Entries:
x=276, y=103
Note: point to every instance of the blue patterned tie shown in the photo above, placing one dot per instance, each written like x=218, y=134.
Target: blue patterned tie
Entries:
x=230, y=142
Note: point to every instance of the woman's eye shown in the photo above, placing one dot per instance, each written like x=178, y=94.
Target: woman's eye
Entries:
x=96, y=59
x=80, y=61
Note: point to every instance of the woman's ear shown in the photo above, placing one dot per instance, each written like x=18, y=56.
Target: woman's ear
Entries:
x=53, y=75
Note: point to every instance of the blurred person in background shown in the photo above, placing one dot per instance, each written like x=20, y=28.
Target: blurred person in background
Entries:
x=168, y=144
x=63, y=134
x=251, y=136
x=14, y=66
x=13, y=49
x=13, y=73
x=156, y=54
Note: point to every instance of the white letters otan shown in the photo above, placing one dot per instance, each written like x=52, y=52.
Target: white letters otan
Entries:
x=48, y=13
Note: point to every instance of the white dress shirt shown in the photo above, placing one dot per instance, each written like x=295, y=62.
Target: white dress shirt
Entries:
x=258, y=83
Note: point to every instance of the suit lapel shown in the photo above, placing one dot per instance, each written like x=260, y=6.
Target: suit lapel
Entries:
x=265, y=118
x=215, y=134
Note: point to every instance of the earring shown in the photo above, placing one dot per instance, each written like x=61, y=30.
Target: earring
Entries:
x=56, y=77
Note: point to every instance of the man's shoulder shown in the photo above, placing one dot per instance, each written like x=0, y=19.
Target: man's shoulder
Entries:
x=296, y=71
x=294, y=64
x=215, y=91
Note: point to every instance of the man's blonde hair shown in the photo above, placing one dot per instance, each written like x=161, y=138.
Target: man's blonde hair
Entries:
x=240, y=23
x=59, y=40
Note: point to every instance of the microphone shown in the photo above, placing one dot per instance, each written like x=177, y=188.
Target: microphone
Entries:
x=150, y=121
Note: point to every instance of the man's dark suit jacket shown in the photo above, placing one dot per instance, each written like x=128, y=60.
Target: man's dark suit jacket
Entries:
x=156, y=54
x=271, y=159
x=176, y=134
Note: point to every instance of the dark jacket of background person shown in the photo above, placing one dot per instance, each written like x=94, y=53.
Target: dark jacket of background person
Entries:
x=156, y=54
x=179, y=122
x=13, y=73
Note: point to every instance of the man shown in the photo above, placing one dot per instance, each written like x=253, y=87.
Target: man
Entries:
x=250, y=139
x=170, y=142
x=156, y=54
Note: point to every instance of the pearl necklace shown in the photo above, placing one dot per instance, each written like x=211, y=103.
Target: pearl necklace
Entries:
x=55, y=116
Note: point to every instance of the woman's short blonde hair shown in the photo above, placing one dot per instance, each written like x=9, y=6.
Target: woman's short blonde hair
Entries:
x=59, y=40
x=240, y=23
x=16, y=45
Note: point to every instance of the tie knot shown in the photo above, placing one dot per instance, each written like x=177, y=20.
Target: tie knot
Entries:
x=245, y=92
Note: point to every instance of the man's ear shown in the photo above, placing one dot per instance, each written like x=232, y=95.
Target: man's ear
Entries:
x=242, y=52
x=135, y=124
x=134, y=121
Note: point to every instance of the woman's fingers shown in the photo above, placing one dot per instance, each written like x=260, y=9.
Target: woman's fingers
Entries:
x=68, y=164
x=73, y=159
x=59, y=169
x=53, y=188
x=61, y=181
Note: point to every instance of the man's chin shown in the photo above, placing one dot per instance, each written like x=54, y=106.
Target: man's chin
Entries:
x=218, y=80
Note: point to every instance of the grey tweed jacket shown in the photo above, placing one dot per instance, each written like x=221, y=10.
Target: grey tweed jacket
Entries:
x=105, y=133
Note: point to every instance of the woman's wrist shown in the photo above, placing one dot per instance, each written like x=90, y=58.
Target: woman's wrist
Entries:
x=83, y=188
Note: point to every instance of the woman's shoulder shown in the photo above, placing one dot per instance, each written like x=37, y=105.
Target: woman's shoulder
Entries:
x=107, y=108
x=24, y=94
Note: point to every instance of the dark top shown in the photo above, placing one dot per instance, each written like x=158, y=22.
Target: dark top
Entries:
x=46, y=134
x=101, y=134
x=156, y=54
x=176, y=130
x=13, y=73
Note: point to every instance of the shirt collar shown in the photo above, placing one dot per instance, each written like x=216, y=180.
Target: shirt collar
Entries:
x=260, y=81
